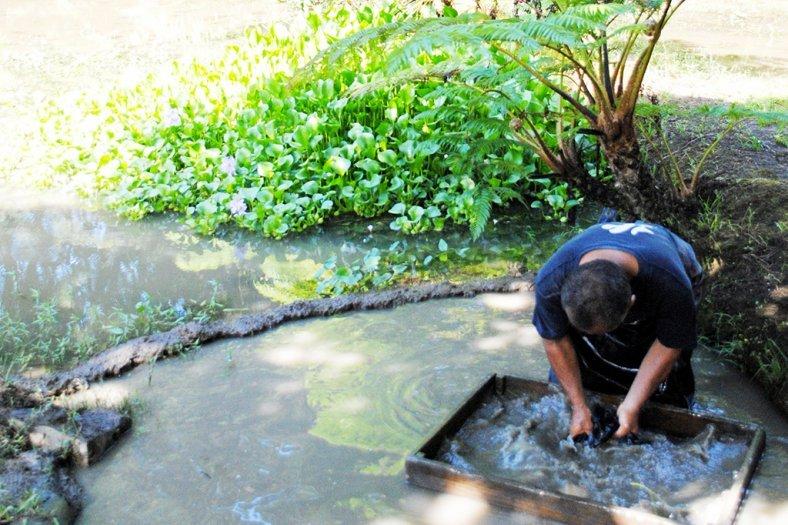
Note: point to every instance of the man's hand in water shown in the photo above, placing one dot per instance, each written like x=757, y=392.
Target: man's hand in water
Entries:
x=627, y=421
x=581, y=421
x=654, y=368
x=563, y=359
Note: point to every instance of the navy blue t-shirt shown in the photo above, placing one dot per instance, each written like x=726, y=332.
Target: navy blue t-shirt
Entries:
x=664, y=306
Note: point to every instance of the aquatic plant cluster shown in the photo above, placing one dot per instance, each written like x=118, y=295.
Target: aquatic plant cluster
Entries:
x=245, y=139
x=378, y=268
x=52, y=340
x=408, y=261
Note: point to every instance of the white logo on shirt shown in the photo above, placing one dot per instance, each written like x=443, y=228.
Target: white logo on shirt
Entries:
x=627, y=226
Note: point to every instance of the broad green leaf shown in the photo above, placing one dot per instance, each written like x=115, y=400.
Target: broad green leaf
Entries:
x=397, y=209
x=387, y=157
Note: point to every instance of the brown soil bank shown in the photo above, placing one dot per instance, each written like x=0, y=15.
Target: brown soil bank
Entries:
x=135, y=352
x=742, y=236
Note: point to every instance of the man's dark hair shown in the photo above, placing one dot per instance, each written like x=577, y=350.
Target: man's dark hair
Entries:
x=596, y=296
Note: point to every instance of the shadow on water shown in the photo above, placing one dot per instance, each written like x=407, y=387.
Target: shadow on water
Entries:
x=312, y=422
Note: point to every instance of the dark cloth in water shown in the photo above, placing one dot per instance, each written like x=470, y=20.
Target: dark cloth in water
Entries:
x=666, y=289
x=606, y=424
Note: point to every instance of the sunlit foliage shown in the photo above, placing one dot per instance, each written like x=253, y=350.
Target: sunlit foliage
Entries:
x=238, y=140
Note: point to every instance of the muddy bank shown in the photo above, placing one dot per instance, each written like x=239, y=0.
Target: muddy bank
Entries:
x=740, y=233
x=126, y=356
x=42, y=445
x=743, y=237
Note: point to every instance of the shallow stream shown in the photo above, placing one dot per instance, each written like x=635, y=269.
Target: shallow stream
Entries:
x=311, y=423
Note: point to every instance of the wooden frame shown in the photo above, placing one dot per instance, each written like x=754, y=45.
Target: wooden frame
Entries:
x=423, y=469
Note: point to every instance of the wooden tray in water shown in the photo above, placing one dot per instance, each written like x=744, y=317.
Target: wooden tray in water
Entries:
x=423, y=468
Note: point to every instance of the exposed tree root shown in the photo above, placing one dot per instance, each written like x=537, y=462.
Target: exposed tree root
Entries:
x=123, y=357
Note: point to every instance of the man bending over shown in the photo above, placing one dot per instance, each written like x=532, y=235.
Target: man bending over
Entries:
x=616, y=308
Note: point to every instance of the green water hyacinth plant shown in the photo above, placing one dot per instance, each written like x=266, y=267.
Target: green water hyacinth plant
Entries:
x=238, y=141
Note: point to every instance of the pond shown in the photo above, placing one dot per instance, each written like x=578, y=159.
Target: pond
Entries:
x=91, y=261
x=310, y=423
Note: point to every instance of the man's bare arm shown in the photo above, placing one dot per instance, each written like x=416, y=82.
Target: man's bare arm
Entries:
x=563, y=359
x=654, y=368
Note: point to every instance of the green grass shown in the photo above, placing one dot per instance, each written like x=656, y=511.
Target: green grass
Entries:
x=750, y=141
x=52, y=340
x=28, y=505
x=764, y=360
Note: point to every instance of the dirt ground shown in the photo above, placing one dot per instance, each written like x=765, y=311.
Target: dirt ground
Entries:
x=53, y=48
x=731, y=51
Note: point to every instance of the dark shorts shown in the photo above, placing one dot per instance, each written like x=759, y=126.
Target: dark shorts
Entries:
x=604, y=376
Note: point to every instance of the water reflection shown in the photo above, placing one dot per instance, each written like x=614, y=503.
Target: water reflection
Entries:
x=92, y=260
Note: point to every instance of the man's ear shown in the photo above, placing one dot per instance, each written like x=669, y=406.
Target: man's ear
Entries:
x=632, y=300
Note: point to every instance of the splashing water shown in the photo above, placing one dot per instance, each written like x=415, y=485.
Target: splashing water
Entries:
x=523, y=438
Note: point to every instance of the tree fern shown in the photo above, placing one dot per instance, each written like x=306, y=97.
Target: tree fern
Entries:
x=580, y=51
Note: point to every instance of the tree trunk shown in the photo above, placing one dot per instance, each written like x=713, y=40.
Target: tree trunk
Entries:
x=642, y=191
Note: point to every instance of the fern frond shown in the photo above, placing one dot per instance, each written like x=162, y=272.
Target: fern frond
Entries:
x=548, y=32
x=479, y=73
x=485, y=147
x=471, y=146
x=415, y=74
x=508, y=194
x=505, y=31
x=596, y=12
x=441, y=33
x=385, y=34
x=452, y=140
x=480, y=211
x=487, y=127
x=449, y=113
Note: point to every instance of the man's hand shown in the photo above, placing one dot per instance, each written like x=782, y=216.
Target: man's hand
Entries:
x=581, y=421
x=654, y=368
x=563, y=359
x=627, y=421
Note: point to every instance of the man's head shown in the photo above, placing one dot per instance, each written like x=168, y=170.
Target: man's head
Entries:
x=596, y=296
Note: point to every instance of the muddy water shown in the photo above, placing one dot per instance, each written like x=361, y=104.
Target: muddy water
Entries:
x=522, y=437
x=307, y=424
x=91, y=260
x=310, y=423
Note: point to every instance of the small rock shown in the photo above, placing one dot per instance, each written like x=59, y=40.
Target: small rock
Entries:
x=49, y=415
x=50, y=439
x=13, y=395
x=98, y=429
